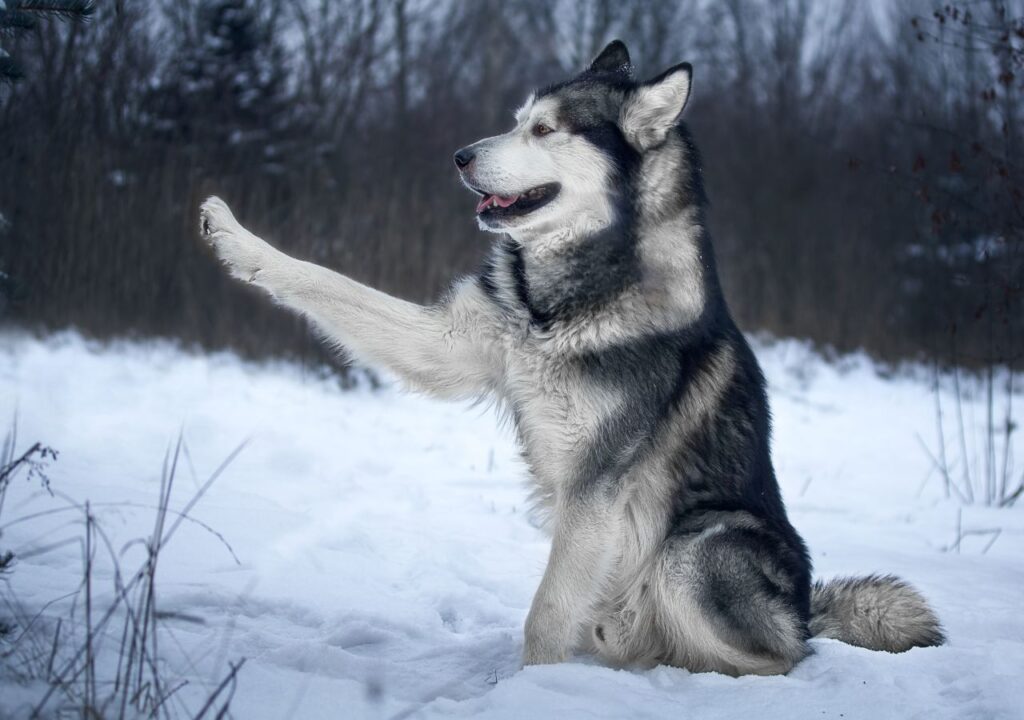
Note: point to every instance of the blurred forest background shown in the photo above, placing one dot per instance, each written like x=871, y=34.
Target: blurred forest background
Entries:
x=863, y=159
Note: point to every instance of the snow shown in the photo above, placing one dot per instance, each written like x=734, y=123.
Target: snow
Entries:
x=387, y=558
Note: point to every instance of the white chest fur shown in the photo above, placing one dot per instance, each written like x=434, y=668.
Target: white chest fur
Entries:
x=558, y=412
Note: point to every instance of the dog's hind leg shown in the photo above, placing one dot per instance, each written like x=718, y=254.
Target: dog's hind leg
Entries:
x=626, y=633
x=713, y=601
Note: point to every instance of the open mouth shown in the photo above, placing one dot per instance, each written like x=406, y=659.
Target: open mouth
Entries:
x=498, y=206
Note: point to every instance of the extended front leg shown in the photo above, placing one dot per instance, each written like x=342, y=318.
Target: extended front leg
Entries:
x=571, y=580
x=449, y=349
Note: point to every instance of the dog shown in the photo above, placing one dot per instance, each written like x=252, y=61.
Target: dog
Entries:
x=598, y=323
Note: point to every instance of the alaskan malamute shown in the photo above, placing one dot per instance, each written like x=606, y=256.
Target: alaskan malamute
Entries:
x=599, y=324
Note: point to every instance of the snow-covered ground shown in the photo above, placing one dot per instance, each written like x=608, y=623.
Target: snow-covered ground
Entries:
x=386, y=558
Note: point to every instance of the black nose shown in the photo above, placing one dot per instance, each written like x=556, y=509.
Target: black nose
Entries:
x=464, y=157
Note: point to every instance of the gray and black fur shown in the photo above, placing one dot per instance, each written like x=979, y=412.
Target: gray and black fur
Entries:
x=598, y=322
x=728, y=537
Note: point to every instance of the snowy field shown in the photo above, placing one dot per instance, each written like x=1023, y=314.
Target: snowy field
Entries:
x=386, y=559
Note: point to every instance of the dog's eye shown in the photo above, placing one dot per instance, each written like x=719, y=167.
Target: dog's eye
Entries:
x=540, y=130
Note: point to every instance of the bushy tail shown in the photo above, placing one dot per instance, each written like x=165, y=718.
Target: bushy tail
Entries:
x=875, y=612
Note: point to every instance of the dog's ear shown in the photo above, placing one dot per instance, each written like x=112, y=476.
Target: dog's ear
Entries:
x=652, y=108
x=613, y=59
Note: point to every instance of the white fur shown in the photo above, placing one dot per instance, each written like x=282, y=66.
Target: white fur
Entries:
x=653, y=108
x=518, y=161
x=449, y=349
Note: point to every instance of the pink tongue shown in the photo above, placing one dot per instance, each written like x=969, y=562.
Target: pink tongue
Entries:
x=486, y=201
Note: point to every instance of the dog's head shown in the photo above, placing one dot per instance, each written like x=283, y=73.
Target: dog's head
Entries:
x=573, y=147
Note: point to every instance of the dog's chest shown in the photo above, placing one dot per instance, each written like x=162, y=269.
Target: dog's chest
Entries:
x=558, y=412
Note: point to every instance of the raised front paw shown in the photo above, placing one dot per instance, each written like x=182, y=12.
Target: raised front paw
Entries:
x=244, y=254
x=214, y=217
